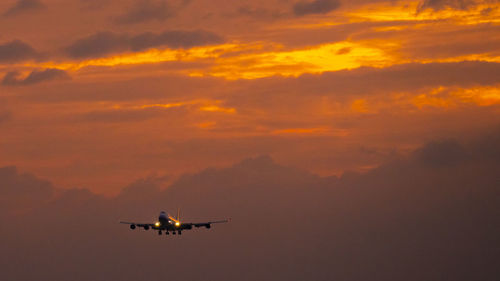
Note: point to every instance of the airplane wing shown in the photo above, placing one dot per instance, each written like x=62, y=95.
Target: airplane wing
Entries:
x=144, y=225
x=206, y=224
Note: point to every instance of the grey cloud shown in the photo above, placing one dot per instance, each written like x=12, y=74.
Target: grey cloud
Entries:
x=437, y=5
x=147, y=10
x=487, y=11
x=174, y=39
x=35, y=77
x=315, y=7
x=174, y=87
x=22, y=192
x=104, y=43
x=441, y=153
x=439, y=44
x=259, y=13
x=363, y=81
x=23, y=6
x=15, y=51
x=428, y=222
x=415, y=76
x=98, y=44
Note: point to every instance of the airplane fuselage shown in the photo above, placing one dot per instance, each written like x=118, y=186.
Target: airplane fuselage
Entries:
x=168, y=223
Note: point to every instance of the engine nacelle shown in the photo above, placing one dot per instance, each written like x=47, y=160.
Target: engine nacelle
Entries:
x=132, y=226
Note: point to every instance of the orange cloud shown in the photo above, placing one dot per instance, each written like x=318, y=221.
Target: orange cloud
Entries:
x=312, y=131
x=216, y=108
x=203, y=105
x=449, y=97
x=206, y=125
x=408, y=11
x=360, y=106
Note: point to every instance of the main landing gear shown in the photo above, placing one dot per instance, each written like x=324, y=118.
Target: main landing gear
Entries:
x=168, y=233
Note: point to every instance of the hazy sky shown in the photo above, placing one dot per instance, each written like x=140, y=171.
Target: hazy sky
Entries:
x=348, y=140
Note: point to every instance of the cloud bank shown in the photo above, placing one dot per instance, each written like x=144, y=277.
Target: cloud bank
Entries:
x=431, y=214
x=105, y=43
x=148, y=10
x=438, y=5
x=315, y=7
x=35, y=77
x=24, y=6
x=15, y=51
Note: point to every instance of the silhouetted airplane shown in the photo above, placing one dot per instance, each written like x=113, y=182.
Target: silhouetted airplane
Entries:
x=168, y=223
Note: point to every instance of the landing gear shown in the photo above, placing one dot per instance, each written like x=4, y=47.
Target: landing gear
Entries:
x=167, y=233
x=159, y=232
x=173, y=232
x=180, y=232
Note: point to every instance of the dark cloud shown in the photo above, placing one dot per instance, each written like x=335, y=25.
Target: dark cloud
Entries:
x=440, y=43
x=315, y=7
x=442, y=153
x=362, y=82
x=104, y=43
x=15, y=51
x=437, y=5
x=409, y=77
x=147, y=10
x=487, y=11
x=171, y=87
x=35, y=77
x=98, y=44
x=174, y=39
x=23, y=6
x=22, y=192
x=406, y=220
x=259, y=13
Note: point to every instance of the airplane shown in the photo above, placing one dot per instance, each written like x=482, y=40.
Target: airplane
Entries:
x=168, y=223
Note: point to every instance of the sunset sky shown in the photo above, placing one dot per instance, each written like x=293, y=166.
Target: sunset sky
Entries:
x=98, y=93
x=347, y=140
